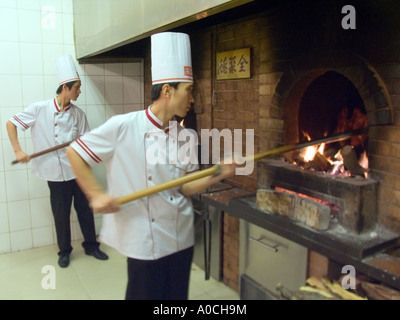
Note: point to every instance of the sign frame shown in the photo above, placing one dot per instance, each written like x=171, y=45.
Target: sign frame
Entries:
x=234, y=64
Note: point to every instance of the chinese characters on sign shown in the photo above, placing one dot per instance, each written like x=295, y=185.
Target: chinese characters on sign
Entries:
x=233, y=64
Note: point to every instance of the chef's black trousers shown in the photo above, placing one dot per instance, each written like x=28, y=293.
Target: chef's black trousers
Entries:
x=164, y=279
x=61, y=195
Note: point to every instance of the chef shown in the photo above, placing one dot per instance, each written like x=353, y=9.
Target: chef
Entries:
x=54, y=122
x=155, y=233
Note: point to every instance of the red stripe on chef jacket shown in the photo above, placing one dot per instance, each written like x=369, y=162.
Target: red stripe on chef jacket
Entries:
x=21, y=122
x=88, y=151
x=152, y=120
x=58, y=109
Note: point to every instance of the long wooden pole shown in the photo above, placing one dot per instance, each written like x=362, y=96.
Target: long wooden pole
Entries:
x=215, y=169
x=301, y=145
x=170, y=184
x=40, y=153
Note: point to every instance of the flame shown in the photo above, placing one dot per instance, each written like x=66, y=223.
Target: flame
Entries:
x=182, y=123
x=308, y=154
x=338, y=164
x=321, y=148
x=364, y=162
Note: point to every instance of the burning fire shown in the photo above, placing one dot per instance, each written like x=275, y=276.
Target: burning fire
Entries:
x=314, y=158
x=309, y=153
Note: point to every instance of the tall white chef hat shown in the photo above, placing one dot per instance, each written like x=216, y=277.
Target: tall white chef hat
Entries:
x=171, y=59
x=66, y=70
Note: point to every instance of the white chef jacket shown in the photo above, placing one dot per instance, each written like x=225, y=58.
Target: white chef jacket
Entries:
x=151, y=227
x=51, y=127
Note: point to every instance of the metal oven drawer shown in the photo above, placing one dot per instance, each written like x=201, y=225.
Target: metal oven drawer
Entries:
x=270, y=259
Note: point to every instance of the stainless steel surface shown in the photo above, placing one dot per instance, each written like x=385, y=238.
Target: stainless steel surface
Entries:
x=269, y=259
x=214, y=253
x=273, y=247
x=208, y=234
x=252, y=290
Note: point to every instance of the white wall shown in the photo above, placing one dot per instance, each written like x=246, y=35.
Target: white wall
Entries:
x=33, y=33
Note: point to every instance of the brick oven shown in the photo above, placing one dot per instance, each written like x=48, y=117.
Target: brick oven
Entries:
x=306, y=70
x=340, y=93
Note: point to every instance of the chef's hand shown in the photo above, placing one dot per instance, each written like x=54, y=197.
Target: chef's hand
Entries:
x=228, y=166
x=22, y=157
x=103, y=203
x=226, y=170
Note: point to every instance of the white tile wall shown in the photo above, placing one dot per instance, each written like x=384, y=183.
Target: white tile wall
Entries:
x=8, y=23
x=12, y=65
x=41, y=213
x=3, y=196
x=114, y=90
x=38, y=188
x=21, y=240
x=4, y=226
x=17, y=185
x=1, y=165
x=43, y=236
x=5, y=243
x=32, y=19
x=33, y=33
x=19, y=215
x=11, y=88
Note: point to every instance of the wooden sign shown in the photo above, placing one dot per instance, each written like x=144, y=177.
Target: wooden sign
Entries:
x=233, y=64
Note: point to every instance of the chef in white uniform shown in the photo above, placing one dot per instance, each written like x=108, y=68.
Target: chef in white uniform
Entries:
x=54, y=122
x=140, y=150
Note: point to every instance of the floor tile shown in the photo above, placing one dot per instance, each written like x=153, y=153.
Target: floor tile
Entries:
x=29, y=274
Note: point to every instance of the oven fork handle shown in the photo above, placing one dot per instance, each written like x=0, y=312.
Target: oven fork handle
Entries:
x=301, y=145
x=40, y=153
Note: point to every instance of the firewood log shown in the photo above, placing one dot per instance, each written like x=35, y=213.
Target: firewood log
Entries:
x=350, y=161
x=379, y=292
x=320, y=163
x=304, y=293
x=316, y=283
x=320, y=292
x=340, y=291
